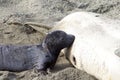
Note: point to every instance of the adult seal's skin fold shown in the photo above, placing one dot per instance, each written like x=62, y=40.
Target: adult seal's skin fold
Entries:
x=39, y=57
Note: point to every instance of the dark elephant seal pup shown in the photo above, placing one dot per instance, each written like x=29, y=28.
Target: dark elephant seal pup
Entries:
x=38, y=57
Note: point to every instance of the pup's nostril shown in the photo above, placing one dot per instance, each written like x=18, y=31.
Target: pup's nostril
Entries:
x=74, y=60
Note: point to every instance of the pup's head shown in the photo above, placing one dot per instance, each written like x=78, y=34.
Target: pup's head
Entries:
x=57, y=40
x=53, y=43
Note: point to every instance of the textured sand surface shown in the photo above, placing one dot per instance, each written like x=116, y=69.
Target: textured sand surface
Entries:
x=15, y=13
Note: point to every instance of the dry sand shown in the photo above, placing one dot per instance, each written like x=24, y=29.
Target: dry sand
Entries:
x=15, y=13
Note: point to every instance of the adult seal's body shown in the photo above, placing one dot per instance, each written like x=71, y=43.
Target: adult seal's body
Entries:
x=39, y=57
x=96, y=49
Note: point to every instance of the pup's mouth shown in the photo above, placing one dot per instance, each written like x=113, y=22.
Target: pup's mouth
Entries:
x=70, y=40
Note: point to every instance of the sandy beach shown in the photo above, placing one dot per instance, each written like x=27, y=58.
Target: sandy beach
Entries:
x=15, y=13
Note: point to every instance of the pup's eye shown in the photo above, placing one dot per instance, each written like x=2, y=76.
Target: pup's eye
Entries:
x=61, y=38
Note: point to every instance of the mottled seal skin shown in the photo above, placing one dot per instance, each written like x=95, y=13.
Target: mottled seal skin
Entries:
x=39, y=57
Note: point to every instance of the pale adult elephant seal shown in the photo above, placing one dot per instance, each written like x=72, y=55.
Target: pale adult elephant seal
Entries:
x=39, y=57
x=96, y=41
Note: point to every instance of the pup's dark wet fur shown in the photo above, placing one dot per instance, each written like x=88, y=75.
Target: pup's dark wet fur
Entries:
x=39, y=57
